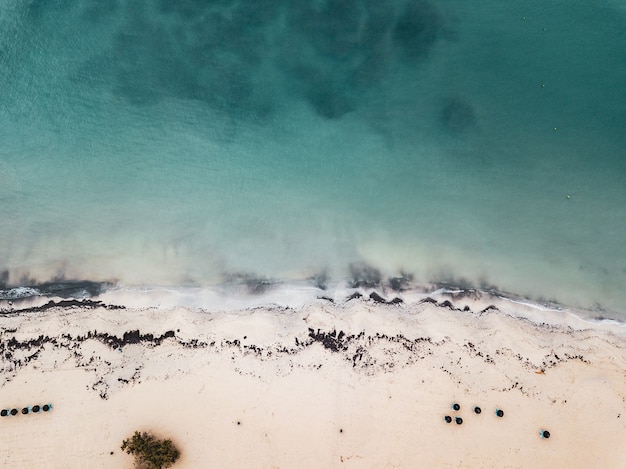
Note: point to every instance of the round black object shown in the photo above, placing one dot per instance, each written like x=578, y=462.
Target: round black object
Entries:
x=500, y=413
x=545, y=434
x=46, y=408
x=13, y=411
x=456, y=406
x=477, y=410
x=448, y=419
x=25, y=410
x=4, y=412
x=458, y=420
x=36, y=408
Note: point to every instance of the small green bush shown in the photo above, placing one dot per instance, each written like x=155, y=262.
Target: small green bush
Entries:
x=150, y=452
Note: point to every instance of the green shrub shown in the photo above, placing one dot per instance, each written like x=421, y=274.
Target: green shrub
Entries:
x=150, y=452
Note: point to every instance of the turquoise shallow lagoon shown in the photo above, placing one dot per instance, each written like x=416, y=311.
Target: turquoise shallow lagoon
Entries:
x=189, y=143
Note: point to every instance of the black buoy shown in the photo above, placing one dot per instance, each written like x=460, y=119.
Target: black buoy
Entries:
x=14, y=411
x=458, y=420
x=545, y=434
x=4, y=412
x=499, y=412
x=25, y=410
x=456, y=406
x=477, y=410
x=36, y=408
x=46, y=407
x=448, y=419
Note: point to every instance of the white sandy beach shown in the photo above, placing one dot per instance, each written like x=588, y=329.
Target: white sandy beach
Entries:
x=358, y=384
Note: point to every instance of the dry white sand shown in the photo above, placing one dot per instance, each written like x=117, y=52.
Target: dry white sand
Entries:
x=262, y=388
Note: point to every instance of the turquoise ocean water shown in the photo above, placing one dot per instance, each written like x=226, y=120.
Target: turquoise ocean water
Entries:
x=192, y=142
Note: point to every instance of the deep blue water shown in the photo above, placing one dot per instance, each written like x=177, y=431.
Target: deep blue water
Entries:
x=192, y=142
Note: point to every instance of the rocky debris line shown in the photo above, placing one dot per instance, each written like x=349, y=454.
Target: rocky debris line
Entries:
x=358, y=348
x=368, y=354
x=377, y=298
x=466, y=309
x=374, y=297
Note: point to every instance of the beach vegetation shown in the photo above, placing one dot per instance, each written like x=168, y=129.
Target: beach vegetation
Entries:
x=151, y=452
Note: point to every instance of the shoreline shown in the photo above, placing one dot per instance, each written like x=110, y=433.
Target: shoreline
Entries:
x=357, y=384
x=260, y=293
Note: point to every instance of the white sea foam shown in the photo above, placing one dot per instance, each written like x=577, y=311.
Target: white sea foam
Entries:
x=18, y=292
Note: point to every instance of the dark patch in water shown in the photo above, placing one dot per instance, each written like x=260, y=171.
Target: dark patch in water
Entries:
x=255, y=13
x=96, y=11
x=254, y=284
x=64, y=304
x=417, y=29
x=331, y=26
x=451, y=283
x=58, y=287
x=72, y=289
x=38, y=10
x=400, y=283
x=235, y=57
x=328, y=102
x=364, y=276
x=320, y=280
x=457, y=115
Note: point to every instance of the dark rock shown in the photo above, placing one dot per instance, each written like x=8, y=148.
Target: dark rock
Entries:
x=377, y=298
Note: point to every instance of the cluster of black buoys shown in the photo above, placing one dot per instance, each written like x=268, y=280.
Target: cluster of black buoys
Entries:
x=477, y=410
x=26, y=410
x=545, y=434
x=458, y=420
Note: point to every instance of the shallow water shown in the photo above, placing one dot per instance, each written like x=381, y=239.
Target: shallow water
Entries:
x=152, y=144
